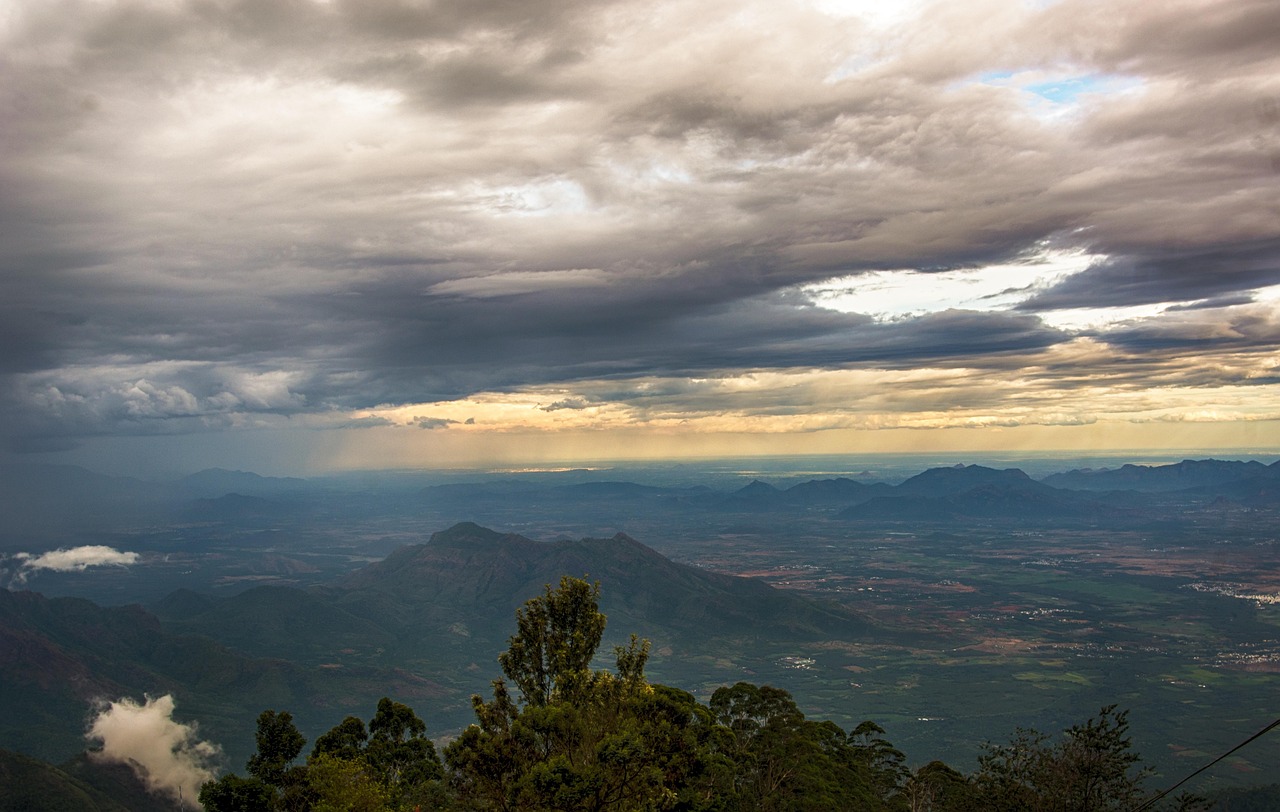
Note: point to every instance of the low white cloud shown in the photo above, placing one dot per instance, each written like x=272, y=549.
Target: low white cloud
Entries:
x=70, y=559
x=167, y=756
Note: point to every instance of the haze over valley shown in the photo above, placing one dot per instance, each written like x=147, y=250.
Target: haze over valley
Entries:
x=948, y=605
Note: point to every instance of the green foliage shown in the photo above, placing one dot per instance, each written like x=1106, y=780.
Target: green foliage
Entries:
x=1092, y=769
x=781, y=760
x=279, y=743
x=345, y=785
x=557, y=634
x=392, y=763
x=581, y=740
x=347, y=740
x=273, y=783
x=596, y=741
x=399, y=752
x=231, y=793
x=936, y=786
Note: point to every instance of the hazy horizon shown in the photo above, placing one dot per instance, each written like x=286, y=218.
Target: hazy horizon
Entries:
x=885, y=465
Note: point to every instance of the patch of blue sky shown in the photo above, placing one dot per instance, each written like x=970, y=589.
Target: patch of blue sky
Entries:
x=1068, y=90
x=1052, y=93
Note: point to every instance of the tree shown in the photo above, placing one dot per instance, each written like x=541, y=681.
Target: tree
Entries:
x=1092, y=769
x=581, y=740
x=1095, y=768
x=780, y=760
x=231, y=793
x=346, y=740
x=279, y=743
x=936, y=787
x=273, y=783
x=549, y=657
x=393, y=755
x=345, y=785
x=882, y=764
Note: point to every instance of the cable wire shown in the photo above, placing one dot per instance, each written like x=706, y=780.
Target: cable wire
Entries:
x=1152, y=801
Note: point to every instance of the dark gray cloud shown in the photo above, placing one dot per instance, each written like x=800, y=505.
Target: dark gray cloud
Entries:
x=223, y=214
x=1167, y=276
x=1215, y=303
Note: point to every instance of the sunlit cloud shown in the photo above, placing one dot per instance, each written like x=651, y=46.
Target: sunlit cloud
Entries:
x=890, y=294
x=167, y=756
x=783, y=402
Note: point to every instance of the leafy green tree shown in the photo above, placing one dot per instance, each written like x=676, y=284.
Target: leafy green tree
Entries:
x=936, y=787
x=882, y=764
x=398, y=747
x=782, y=761
x=345, y=785
x=401, y=756
x=273, y=784
x=279, y=743
x=346, y=740
x=1092, y=769
x=549, y=657
x=1095, y=768
x=581, y=740
x=231, y=793
x=1009, y=775
x=392, y=755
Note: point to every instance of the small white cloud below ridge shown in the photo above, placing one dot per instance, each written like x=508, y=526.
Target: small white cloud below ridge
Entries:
x=71, y=559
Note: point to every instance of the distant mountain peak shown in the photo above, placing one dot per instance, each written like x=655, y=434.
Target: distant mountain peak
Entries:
x=757, y=488
x=470, y=534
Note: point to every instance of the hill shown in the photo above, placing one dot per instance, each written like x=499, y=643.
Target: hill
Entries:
x=214, y=482
x=1188, y=474
x=940, y=482
x=30, y=785
x=1023, y=501
x=440, y=607
x=469, y=572
x=975, y=492
x=434, y=616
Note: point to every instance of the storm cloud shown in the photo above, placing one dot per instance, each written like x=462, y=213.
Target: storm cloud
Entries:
x=225, y=216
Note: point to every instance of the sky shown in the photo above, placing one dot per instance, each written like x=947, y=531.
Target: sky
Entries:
x=309, y=235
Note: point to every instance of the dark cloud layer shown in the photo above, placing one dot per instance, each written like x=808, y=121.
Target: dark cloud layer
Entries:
x=218, y=212
x=1171, y=276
